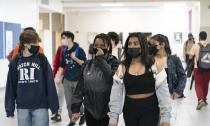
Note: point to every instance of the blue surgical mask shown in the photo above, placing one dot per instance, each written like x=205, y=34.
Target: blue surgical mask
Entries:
x=64, y=42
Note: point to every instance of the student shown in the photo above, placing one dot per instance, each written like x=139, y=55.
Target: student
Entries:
x=60, y=88
x=116, y=46
x=72, y=58
x=201, y=76
x=176, y=76
x=30, y=84
x=139, y=87
x=187, y=46
x=95, y=83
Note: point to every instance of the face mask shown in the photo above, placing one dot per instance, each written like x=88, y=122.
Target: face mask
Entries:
x=34, y=49
x=153, y=49
x=64, y=42
x=95, y=50
x=134, y=52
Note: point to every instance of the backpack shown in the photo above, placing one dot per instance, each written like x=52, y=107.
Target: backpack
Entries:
x=204, y=58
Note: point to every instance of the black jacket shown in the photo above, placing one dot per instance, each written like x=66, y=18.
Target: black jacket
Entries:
x=94, y=86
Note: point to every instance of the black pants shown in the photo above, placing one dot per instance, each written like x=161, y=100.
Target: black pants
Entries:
x=90, y=121
x=187, y=58
x=141, y=112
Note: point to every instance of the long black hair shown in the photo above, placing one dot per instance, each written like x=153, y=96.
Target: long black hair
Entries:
x=106, y=39
x=147, y=60
x=163, y=39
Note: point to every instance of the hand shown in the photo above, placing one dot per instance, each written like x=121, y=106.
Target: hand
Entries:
x=75, y=117
x=112, y=124
x=12, y=117
x=73, y=55
x=175, y=95
x=100, y=52
x=165, y=124
x=58, y=81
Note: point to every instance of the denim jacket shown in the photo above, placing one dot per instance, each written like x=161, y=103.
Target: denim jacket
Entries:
x=176, y=75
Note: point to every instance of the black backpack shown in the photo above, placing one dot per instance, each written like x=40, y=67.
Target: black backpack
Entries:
x=204, y=58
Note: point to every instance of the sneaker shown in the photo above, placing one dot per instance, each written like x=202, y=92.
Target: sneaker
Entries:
x=206, y=103
x=71, y=124
x=56, y=118
x=82, y=120
x=201, y=104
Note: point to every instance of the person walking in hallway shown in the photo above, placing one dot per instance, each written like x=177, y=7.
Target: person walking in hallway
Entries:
x=72, y=58
x=201, y=51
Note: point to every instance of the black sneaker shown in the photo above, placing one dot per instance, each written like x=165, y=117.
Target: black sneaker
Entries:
x=71, y=124
x=56, y=118
x=82, y=120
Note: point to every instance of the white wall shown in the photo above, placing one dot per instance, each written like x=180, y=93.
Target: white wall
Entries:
x=25, y=12
x=166, y=20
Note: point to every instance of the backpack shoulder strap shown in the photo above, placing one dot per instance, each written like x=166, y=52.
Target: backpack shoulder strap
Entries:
x=16, y=58
x=200, y=44
x=41, y=57
x=77, y=52
x=59, y=51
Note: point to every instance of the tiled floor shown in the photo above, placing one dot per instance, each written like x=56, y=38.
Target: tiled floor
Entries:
x=185, y=110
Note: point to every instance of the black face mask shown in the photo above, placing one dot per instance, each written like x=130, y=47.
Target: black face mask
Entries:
x=134, y=52
x=34, y=49
x=153, y=49
x=95, y=50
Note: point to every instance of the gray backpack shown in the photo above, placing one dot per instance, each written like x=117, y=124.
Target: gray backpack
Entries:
x=204, y=58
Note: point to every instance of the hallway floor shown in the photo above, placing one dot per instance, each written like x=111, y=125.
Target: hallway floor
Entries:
x=185, y=112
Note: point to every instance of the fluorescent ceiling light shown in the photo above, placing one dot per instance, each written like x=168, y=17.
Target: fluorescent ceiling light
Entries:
x=112, y=5
x=119, y=10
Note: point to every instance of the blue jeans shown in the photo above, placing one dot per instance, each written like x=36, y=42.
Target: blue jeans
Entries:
x=35, y=117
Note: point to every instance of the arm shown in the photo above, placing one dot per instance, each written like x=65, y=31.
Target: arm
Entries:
x=10, y=94
x=78, y=95
x=192, y=51
x=51, y=90
x=82, y=57
x=116, y=100
x=56, y=63
x=182, y=77
x=108, y=70
x=61, y=68
x=163, y=96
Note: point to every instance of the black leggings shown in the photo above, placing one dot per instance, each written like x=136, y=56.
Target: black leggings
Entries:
x=90, y=121
x=141, y=112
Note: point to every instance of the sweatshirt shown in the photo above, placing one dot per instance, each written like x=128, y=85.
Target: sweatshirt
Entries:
x=30, y=84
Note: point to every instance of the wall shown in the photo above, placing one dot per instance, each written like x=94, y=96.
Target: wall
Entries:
x=24, y=12
x=166, y=20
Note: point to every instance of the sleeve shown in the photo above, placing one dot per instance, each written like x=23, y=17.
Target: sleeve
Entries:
x=163, y=95
x=63, y=63
x=82, y=55
x=182, y=77
x=11, y=90
x=78, y=95
x=108, y=70
x=51, y=89
x=116, y=100
x=56, y=63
